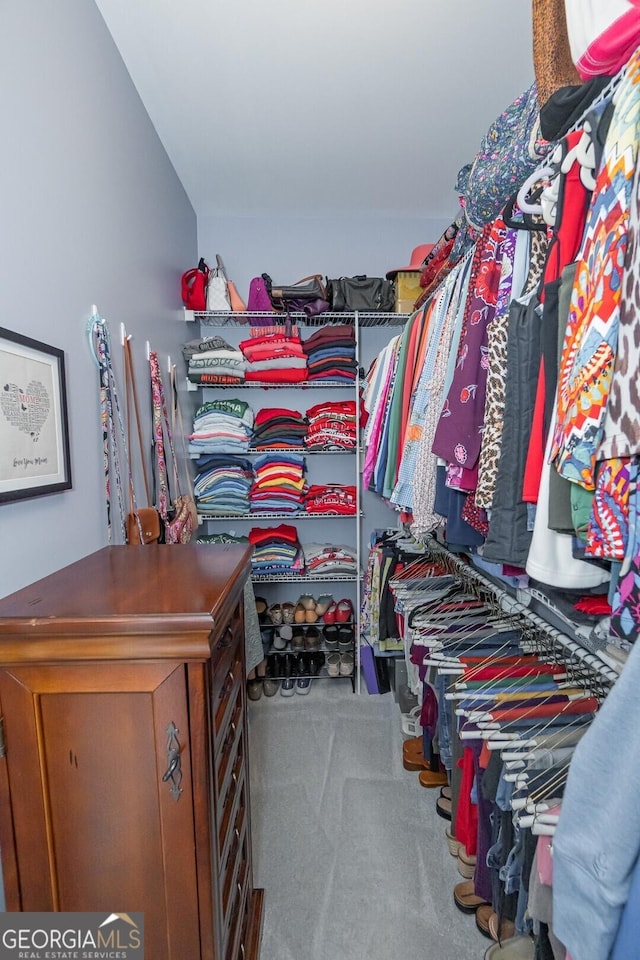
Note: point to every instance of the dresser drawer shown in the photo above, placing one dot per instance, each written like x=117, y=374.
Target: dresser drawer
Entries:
x=233, y=864
x=234, y=795
x=225, y=700
x=239, y=917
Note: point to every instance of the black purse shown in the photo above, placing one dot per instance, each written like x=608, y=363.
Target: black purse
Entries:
x=307, y=295
x=366, y=294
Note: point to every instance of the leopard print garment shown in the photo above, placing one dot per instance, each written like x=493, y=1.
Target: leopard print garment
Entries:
x=539, y=249
x=493, y=411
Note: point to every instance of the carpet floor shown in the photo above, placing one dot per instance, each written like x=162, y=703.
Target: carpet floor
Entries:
x=346, y=843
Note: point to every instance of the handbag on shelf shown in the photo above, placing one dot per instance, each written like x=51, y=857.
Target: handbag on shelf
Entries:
x=306, y=296
x=194, y=287
x=259, y=300
x=180, y=516
x=366, y=294
x=218, y=300
x=143, y=524
x=236, y=302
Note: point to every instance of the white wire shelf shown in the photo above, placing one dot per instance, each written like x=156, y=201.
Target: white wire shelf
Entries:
x=304, y=578
x=265, y=385
x=216, y=318
x=276, y=516
x=300, y=451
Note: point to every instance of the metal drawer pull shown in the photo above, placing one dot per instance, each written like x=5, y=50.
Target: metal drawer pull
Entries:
x=174, y=763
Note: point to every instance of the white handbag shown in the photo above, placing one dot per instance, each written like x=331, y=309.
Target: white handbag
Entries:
x=217, y=291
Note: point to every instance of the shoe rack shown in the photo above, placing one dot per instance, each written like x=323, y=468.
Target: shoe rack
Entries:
x=323, y=466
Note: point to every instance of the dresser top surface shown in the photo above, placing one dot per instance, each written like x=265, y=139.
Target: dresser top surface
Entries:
x=186, y=583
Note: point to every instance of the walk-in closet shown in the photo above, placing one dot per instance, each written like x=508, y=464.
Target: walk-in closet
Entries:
x=319, y=502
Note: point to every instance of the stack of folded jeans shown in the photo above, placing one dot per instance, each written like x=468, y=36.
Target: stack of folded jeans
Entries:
x=222, y=426
x=213, y=361
x=325, y=559
x=276, y=550
x=332, y=426
x=279, y=485
x=331, y=353
x=330, y=498
x=222, y=484
x=274, y=355
x=279, y=427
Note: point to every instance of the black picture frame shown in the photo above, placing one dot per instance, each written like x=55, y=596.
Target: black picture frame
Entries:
x=34, y=427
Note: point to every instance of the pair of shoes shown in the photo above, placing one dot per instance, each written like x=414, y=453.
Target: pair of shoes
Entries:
x=435, y=778
x=465, y=899
x=341, y=612
x=516, y=948
x=309, y=664
x=443, y=806
x=466, y=863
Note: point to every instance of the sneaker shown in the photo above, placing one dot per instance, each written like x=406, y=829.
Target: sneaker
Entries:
x=288, y=687
x=303, y=685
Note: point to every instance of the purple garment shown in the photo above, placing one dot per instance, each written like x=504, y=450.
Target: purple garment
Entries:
x=459, y=431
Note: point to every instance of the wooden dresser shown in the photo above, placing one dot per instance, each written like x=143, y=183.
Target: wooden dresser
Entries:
x=124, y=780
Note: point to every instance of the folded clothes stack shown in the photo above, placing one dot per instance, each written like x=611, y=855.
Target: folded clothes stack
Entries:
x=274, y=355
x=330, y=498
x=332, y=426
x=331, y=353
x=222, y=426
x=223, y=484
x=276, y=550
x=325, y=559
x=220, y=538
x=279, y=485
x=279, y=427
x=213, y=361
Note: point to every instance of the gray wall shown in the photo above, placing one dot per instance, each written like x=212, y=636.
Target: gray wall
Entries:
x=289, y=248
x=92, y=212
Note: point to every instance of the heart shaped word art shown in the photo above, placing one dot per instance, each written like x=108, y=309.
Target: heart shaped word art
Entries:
x=27, y=410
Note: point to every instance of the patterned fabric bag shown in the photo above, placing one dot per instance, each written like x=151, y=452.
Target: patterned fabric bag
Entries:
x=510, y=151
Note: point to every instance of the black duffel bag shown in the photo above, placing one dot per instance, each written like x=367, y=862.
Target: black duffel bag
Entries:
x=366, y=294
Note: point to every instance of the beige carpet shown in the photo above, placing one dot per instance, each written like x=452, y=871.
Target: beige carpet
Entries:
x=347, y=844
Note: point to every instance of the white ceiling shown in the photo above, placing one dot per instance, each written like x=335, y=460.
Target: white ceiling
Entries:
x=323, y=107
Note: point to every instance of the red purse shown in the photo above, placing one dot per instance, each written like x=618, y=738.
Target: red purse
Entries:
x=194, y=287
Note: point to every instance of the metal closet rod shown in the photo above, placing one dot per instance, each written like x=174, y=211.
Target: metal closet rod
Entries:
x=544, y=631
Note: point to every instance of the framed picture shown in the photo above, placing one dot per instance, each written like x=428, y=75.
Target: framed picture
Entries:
x=34, y=429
